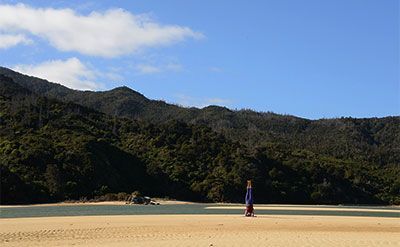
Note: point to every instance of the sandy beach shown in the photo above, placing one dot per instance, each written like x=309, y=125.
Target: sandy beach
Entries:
x=200, y=230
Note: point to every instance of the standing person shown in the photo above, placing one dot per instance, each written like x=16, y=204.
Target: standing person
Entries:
x=249, y=200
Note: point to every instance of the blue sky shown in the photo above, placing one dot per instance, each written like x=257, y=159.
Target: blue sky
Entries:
x=313, y=59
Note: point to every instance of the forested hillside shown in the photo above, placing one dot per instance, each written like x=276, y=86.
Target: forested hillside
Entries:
x=370, y=139
x=120, y=141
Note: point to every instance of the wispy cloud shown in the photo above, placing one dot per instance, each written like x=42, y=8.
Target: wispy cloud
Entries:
x=153, y=69
x=218, y=101
x=112, y=33
x=71, y=73
x=190, y=101
x=9, y=40
x=112, y=76
x=173, y=67
x=147, y=69
x=215, y=69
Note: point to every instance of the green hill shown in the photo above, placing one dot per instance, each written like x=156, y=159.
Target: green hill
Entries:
x=120, y=141
x=369, y=139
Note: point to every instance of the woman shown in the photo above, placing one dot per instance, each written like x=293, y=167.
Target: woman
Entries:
x=249, y=201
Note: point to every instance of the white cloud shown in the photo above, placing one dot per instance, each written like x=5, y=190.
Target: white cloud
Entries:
x=189, y=101
x=9, y=40
x=71, y=73
x=153, y=69
x=111, y=33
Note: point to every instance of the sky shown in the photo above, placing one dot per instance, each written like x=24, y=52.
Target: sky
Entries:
x=310, y=58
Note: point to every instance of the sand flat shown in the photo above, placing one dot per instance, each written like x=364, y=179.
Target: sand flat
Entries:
x=200, y=230
x=311, y=209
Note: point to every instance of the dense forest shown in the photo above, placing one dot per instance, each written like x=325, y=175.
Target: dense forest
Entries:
x=373, y=140
x=60, y=144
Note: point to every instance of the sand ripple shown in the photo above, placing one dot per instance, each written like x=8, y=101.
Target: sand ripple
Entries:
x=200, y=230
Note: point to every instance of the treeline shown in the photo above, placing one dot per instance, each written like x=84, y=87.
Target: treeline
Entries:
x=51, y=151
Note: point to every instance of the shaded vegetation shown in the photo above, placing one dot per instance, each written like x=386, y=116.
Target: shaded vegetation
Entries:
x=52, y=149
x=373, y=140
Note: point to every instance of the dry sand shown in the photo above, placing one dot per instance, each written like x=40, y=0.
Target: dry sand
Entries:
x=200, y=230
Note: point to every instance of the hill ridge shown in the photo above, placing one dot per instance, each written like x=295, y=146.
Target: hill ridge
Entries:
x=355, y=138
x=55, y=149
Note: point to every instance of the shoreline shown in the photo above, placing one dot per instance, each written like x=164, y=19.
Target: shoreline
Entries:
x=178, y=202
x=89, y=203
x=308, y=208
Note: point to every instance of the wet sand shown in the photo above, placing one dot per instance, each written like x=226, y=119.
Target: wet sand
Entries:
x=305, y=208
x=161, y=201
x=200, y=230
